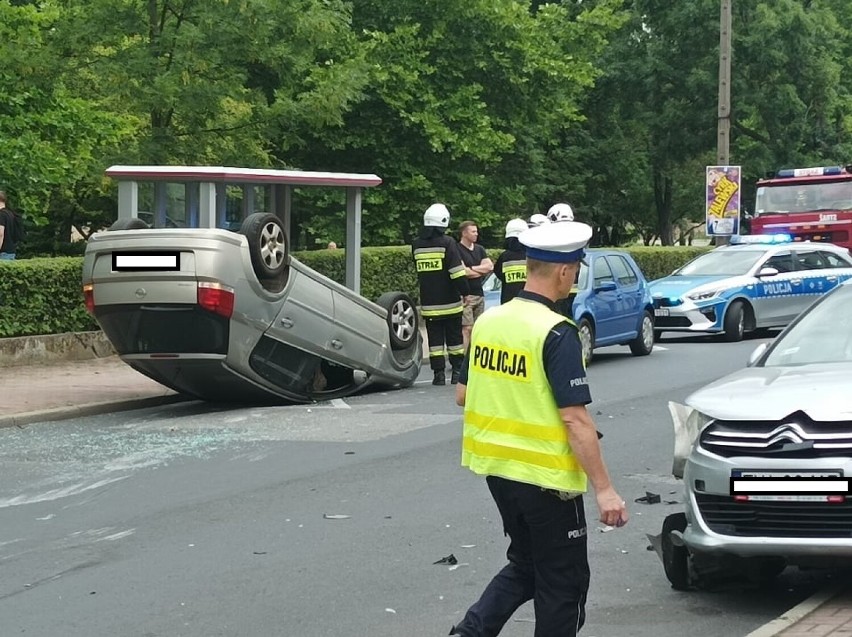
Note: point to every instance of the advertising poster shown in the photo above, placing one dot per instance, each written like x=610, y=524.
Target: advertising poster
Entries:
x=723, y=200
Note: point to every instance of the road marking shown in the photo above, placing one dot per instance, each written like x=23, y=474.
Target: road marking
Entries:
x=661, y=348
x=339, y=403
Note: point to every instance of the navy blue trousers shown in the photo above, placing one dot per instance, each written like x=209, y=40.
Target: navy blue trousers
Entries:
x=548, y=563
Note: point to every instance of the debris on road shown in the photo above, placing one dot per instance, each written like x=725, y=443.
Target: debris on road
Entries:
x=649, y=498
x=449, y=559
x=335, y=516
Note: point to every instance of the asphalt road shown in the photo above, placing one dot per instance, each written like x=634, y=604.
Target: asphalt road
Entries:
x=197, y=521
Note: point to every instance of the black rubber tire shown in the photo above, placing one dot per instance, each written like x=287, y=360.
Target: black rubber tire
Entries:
x=268, y=245
x=643, y=344
x=586, y=325
x=403, y=320
x=735, y=322
x=133, y=223
x=675, y=558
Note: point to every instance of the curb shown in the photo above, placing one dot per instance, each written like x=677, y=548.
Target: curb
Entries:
x=88, y=409
x=798, y=612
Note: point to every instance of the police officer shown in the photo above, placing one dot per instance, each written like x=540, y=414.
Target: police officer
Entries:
x=526, y=428
x=511, y=265
x=443, y=286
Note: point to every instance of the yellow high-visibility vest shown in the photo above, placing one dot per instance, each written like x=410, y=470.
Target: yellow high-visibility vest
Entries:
x=512, y=426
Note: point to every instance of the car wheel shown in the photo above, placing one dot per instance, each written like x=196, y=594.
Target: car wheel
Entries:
x=735, y=322
x=267, y=245
x=675, y=558
x=643, y=344
x=403, y=323
x=133, y=223
x=587, y=339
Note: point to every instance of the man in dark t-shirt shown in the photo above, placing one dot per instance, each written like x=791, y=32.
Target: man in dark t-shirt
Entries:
x=477, y=267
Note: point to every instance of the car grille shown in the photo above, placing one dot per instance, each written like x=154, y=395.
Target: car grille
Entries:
x=795, y=437
x=776, y=519
x=666, y=302
x=671, y=321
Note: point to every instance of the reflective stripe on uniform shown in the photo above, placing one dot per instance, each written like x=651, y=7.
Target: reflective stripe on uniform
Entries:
x=447, y=309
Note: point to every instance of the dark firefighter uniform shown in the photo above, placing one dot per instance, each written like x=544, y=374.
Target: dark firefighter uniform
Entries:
x=511, y=269
x=441, y=275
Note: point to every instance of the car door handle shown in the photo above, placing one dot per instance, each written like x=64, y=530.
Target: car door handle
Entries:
x=336, y=344
x=831, y=278
x=795, y=280
x=287, y=322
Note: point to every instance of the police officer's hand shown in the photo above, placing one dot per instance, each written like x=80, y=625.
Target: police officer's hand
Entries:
x=612, y=507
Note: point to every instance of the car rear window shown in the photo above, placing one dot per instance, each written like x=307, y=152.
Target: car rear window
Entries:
x=164, y=329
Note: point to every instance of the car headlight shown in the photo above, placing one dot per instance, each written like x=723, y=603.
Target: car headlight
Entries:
x=703, y=295
x=688, y=423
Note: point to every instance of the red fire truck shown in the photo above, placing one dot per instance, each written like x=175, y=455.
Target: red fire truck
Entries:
x=810, y=204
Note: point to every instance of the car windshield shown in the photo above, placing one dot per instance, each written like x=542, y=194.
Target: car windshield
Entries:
x=822, y=335
x=722, y=263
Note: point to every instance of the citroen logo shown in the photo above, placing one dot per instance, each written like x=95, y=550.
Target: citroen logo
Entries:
x=141, y=293
x=788, y=432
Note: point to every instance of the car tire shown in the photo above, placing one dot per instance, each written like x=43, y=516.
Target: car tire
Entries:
x=587, y=339
x=403, y=321
x=735, y=322
x=643, y=344
x=675, y=558
x=268, y=245
x=133, y=223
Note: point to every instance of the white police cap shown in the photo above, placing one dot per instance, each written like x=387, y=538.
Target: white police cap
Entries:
x=563, y=242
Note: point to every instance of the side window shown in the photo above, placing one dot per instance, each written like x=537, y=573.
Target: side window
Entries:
x=783, y=262
x=601, y=272
x=809, y=260
x=624, y=274
x=833, y=260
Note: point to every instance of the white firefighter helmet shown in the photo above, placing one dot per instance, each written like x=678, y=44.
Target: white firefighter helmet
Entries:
x=560, y=212
x=537, y=219
x=436, y=216
x=515, y=227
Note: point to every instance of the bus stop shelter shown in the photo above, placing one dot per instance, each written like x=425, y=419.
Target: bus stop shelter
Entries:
x=205, y=194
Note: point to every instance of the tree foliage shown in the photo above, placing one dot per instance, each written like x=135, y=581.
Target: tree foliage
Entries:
x=497, y=107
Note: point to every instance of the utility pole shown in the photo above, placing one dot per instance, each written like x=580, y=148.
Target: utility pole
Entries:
x=723, y=137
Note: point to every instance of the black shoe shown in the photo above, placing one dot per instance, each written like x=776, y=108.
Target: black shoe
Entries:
x=440, y=379
x=454, y=377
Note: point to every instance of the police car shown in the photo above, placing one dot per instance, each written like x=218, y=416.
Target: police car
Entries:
x=758, y=281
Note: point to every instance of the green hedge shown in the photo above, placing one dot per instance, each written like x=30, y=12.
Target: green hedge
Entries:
x=43, y=296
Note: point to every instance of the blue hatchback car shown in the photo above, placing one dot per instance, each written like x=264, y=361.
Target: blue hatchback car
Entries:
x=613, y=305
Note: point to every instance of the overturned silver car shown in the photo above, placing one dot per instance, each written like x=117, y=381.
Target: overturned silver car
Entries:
x=765, y=454
x=233, y=317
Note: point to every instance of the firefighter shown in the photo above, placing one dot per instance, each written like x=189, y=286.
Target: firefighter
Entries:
x=511, y=266
x=537, y=219
x=558, y=213
x=443, y=286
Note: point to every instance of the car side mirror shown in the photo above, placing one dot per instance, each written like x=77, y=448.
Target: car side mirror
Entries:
x=756, y=354
x=766, y=272
x=606, y=286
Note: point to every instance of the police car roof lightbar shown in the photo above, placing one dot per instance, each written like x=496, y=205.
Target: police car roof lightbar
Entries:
x=780, y=237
